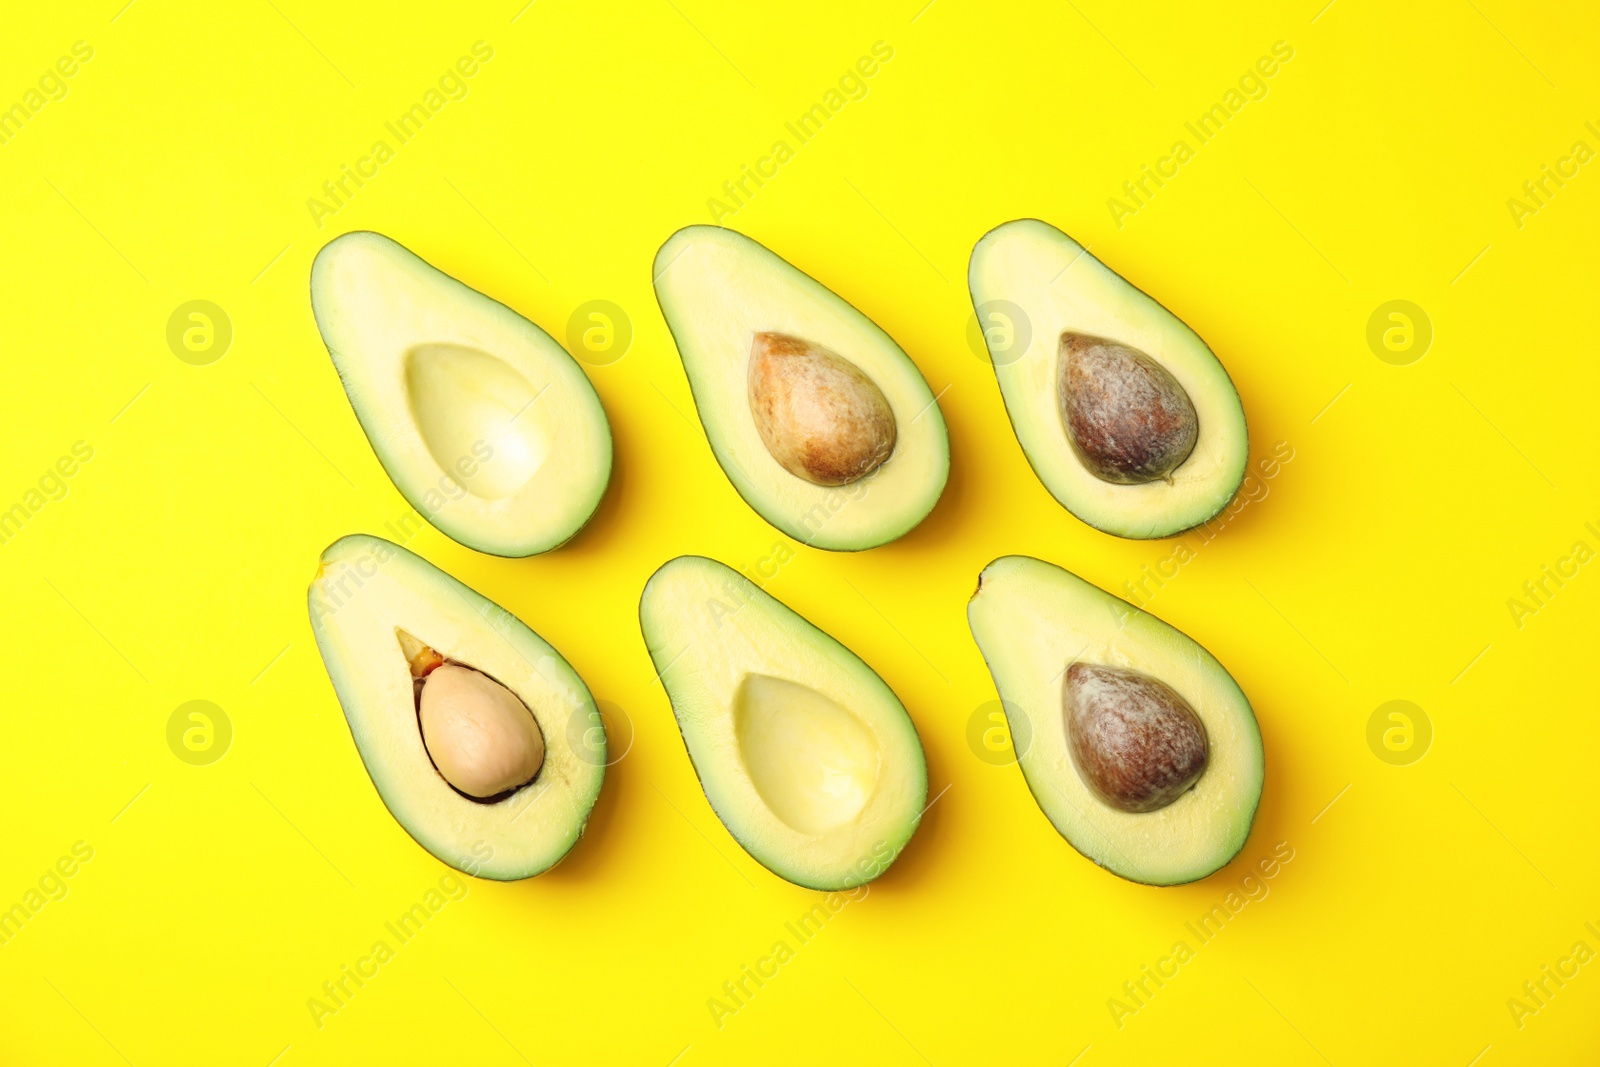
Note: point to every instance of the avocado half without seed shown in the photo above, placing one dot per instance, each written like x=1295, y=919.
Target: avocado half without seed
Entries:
x=1123, y=412
x=1143, y=752
x=483, y=422
x=806, y=756
x=822, y=423
x=463, y=716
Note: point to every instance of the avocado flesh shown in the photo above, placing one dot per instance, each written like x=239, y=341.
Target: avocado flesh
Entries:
x=482, y=421
x=1033, y=620
x=366, y=594
x=1064, y=290
x=806, y=756
x=718, y=291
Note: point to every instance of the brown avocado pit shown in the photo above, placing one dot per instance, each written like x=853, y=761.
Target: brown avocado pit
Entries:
x=1128, y=419
x=1136, y=743
x=819, y=415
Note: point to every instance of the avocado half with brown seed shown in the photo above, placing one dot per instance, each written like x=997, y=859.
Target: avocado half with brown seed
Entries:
x=482, y=741
x=1123, y=412
x=1143, y=752
x=820, y=420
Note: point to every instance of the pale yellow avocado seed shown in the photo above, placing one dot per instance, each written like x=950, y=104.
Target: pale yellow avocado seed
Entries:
x=481, y=737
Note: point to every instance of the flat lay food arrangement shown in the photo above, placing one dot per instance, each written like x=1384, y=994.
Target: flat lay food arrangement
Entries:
x=807, y=757
x=695, y=534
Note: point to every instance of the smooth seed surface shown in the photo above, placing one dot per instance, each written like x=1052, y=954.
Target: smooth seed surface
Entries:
x=480, y=736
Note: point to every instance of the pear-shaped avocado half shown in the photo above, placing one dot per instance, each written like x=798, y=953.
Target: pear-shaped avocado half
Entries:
x=1138, y=745
x=482, y=421
x=483, y=742
x=806, y=756
x=820, y=420
x=1123, y=412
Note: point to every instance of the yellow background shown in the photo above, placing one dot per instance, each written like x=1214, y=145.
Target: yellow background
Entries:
x=1379, y=566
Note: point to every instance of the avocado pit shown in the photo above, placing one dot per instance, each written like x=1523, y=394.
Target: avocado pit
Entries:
x=481, y=737
x=820, y=416
x=1136, y=743
x=1128, y=419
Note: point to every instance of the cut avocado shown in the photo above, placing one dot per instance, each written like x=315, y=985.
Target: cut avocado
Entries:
x=1143, y=751
x=820, y=420
x=1123, y=412
x=482, y=421
x=806, y=756
x=461, y=713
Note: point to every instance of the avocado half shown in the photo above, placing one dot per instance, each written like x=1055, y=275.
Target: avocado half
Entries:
x=369, y=595
x=1033, y=621
x=724, y=296
x=1066, y=298
x=482, y=420
x=806, y=756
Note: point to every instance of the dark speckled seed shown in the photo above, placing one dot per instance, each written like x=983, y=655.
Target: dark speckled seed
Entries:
x=1128, y=419
x=1136, y=743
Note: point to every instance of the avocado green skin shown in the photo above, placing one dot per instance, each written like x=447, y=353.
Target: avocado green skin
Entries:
x=1012, y=421
x=343, y=684
x=797, y=535
x=409, y=493
x=1011, y=725
x=788, y=876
